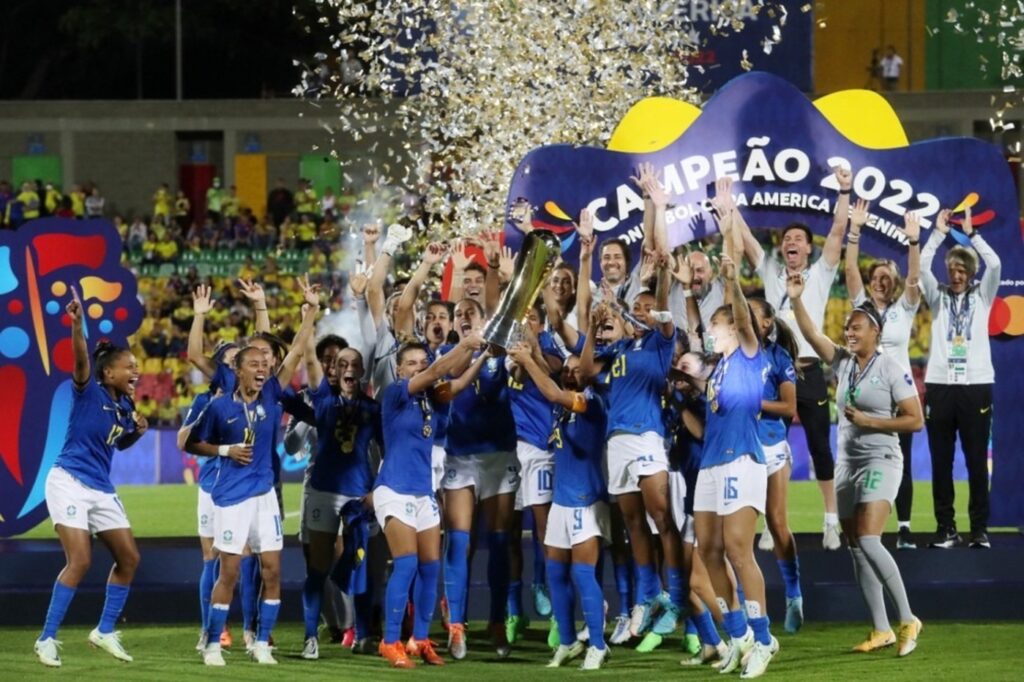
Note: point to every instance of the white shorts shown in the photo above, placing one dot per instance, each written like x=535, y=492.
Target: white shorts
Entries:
x=537, y=469
x=727, y=488
x=632, y=457
x=255, y=521
x=873, y=481
x=73, y=504
x=489, y=475
x=677, y=503
x=416, y=511
x=777, y=456
x=569, y=526
x=322, y=511
x=204, y=514
x=437, y=457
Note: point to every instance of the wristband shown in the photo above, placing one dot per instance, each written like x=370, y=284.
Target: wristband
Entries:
x=260, y=310
x=853, y=239
x=687, y=293
x=915, y=242
x=974, y=234
x=845, y=191
x=222, y=450
x=493, y=266
x=661, y=316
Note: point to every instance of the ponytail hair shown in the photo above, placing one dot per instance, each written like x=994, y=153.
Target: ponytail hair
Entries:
x=105, y=354
x=779, y=332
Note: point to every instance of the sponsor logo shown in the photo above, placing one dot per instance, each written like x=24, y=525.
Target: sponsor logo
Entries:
x=72, y=511
x=410, y=508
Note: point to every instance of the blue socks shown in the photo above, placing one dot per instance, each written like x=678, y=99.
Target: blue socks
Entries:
x=206, y=580
x=706, y=628
x=456, y=573
x=624, y=586
x=562, y=608
x=648, y=583
x=269, y=608
x=396, y=596
x=735, y=623
x=791, y=576
x=691, y=627
x=312, y=598
x=515, y=597
x=497, y=574
x=248, y=578
x=424, y=598
x=117, y=595
x=59, y=603
x=760, y=628
x=677, y=587
x=585, y=577
x=218, y=618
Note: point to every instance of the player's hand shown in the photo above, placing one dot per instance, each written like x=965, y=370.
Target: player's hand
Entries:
x=683, y=272
x=474, y=341
x=242, y=454
x=942, y=222
x=371, y=233
x=141, y=423
x=310, y=292
x=252, y=291
x=728, y=268
x=856, y=417
x=859, y=217
x=435, y=253
x=520, y=353
x=492, y=249
x=912, y=226
x=794, y=286
x=722, y=201
x=74, y=307
x=202, y=300
x=460, y=259
x=358, y=280
x=967, y=225
x=844, y=176
x=506, y=264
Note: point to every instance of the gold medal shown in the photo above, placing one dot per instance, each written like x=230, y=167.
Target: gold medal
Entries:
x=714, y=406
x=427, y=431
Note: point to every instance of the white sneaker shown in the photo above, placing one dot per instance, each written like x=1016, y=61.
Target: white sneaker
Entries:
x=261, y=654
x=584, y=634
x=830, y=537
x=203, y=637
x=738, y=648
x=111, y=643
x=595, y=658
x=47, y=652
x=708, y=654
x=311, y=651
x=620, y=635
x=212, y=655
x=564, y=654
x=249, y=637
x=760, y=656
x=767, y=542
x=640, y=618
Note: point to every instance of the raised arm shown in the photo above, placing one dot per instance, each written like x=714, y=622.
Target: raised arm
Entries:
x=834, y=241
x=912, y=288
x=664, y=318
x=569, y=334
x=645, y=172
x=202, y=303
x=378, y=274
x=258, y=298
x=80, y=374
x=463, y=381
x=588, y=367
x=405, y=310
x=854, y=280
x=749, y=342
x=587, y=241
x=446, y=364
x=310, y=310
x=821, y=344
x=930, y=285
x=570, y=400
x=314, y=370
x=492, y=281
x=993, y=266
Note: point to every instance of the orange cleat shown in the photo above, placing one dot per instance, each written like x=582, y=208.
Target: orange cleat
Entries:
x=395, y=654
x=225, y=638
x=424, y=648
x=457, y=641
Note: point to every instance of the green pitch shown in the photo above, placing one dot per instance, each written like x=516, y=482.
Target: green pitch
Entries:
x=170, y=510
x=946, y=651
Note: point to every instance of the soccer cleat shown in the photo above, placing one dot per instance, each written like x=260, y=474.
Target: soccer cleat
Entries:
x=594, y=659
x=111, y=643
x=457, y=641
x=424, y=648
x=261, y=654
x=311, y=649
x=904, y=539
x=794, y=614
x=584, y=634
x=909, y=632
x=766, y=543
x=979, y=540
x=830, y=537
x=541, y=600
x=620, y=634
x=348, y=638
x=395, y=655
x=515, y=626
x=501, y=645
x=225, y=638
x=691, y=644
x=363, y=646
x=213, y=656
x=649, y=643
x=668, y=616
x=945, y=538
x=249, y=637
x=641, y=618
x=553, y=638
x=337, y=635
x=564, y=654
x=760, y=656
x=876, y=640
x=707, y=655
x=47, y=651
x=738, y=648
x=203, y=638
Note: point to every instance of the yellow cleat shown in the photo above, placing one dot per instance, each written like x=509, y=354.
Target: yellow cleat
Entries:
x=876, y=640
x=909, y=633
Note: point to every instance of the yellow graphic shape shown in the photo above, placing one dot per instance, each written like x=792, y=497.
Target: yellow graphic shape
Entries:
x=969, y=201
x=99, y=288
x=652, y=124
x=59, y=288
x=95, y=311
x=553, y=209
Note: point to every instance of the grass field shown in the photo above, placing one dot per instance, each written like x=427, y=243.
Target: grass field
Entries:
x=170, y=510
x=946, y=651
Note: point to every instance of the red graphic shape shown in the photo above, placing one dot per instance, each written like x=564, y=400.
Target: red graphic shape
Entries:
x=12, y=378
x=999, y=318
x=15, y=307
x=64, y=355
x=985, y=216
x=65, y=320
x=121, y=314
x=55, y=251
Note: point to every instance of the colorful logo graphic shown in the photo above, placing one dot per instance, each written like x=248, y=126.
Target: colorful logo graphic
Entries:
x=39, y=263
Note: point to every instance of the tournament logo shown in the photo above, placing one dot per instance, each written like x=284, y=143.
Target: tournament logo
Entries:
x=72, y=511
x=316, y=514
x=228, y=535
x=204, y=520
x=409, y=508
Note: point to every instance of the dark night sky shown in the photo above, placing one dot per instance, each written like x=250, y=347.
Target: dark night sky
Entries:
x=107, y=49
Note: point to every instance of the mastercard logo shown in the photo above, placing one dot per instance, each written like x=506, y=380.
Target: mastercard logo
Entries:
x=1007, y=316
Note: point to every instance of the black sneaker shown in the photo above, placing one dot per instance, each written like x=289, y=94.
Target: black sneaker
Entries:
x=979, y=540
x=904, y=540
x=945, y=538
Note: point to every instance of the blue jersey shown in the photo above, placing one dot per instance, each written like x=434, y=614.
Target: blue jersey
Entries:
x=408, y=440
x=228, y=421
x=207, y=465
x=440, y=415
x=224, y=378
x=734, y=402
x=637, y=375
x=684, y=450
x=771, y=429
x=532, y=412
x=480, y=417
x=345, y=429
x=96, y=425
x=579, y=440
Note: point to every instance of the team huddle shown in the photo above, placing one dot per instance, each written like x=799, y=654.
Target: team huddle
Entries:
x=647, y=414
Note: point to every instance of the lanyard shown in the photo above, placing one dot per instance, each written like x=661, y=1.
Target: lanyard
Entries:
x=427, y=410
x=854, y=378
x=715, y=383
x=960, y=317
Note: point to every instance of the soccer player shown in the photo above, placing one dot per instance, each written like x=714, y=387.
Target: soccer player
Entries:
x=578, y=524
x=79, y=495
x=348, y=427
x=404, y=501
x=869, y=470
x=731, y=485
x=898, y=311
x=241, y=426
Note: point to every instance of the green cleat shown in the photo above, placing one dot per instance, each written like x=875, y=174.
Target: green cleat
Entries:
x=691, y=644
x=553, y=639
x=649, y=643
x=515, y=626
